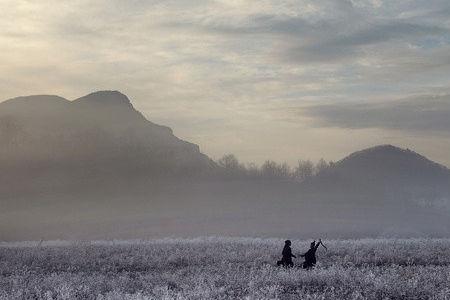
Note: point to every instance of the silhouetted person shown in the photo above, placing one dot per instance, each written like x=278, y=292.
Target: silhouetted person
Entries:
x=286, y=261
x=310, y=255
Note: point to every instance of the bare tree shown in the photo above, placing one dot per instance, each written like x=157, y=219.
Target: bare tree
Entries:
x=270, y=169
x=322, y=166
x=303, y=170
x=231, y=166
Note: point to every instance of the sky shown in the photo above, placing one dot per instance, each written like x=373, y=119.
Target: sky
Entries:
x=282, y=80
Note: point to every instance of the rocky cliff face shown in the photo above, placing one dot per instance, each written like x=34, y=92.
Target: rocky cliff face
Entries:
x=100, y=131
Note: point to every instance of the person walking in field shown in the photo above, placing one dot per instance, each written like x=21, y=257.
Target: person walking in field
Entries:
x=310, y=255
x=286, y=260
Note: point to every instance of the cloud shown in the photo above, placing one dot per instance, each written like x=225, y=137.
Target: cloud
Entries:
x=340, y=46
x=241, y=63
x=331, y=32
x=425, y=113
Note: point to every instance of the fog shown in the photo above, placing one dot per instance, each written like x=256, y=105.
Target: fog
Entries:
x=95, y=168
x=198, y=208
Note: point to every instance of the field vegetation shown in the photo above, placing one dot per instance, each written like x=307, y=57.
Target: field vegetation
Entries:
x=224, y=268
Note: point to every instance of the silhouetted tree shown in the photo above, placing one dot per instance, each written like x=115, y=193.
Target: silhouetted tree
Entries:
x=252, y=170
x=270, y=169
x=303, y=170
x=231, y=166
x=321, y=166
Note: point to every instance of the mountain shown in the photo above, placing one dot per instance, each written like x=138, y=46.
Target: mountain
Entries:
x=99, y=134
x=383, y=190
x=389, y=172
x=386, y=164
x=95, y=167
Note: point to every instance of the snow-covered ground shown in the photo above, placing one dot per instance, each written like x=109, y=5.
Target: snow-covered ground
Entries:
x=223, y=268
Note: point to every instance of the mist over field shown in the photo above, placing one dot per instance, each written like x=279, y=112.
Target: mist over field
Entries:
x=95, y=168
x=293, y=118
x=224, y=149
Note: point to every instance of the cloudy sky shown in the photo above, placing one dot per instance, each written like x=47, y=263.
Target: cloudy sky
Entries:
x=261, y=79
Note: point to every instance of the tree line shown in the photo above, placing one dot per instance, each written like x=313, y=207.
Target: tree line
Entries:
x=231, y=167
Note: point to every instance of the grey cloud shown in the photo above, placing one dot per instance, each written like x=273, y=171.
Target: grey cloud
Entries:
x=384, y=32
x=425, y=113
x=342, y=46
x=187, y=62
x=325, y=39
x=254, y=24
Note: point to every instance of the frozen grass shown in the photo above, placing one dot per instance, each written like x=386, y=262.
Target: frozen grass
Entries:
x=223, y=268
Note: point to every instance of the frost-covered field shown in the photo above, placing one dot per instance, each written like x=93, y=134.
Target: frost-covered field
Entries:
x=223, y=268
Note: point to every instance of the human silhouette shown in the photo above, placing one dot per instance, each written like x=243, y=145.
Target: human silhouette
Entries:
x=310, y=255
x=286, y=260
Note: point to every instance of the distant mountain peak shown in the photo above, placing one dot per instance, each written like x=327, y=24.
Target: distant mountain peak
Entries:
x=35, y=99
x=105, y=124
x=115, y=98
x=386, y=151
x=387, y=162
x=387, y=147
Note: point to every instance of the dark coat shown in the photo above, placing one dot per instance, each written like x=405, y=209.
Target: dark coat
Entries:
x=286, y=260
x=287, y=253
x=310, y=257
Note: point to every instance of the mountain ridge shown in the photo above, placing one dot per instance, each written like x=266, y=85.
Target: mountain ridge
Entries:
x=106, y=122
x=393, y=149
x=391, y=161
x=100, y=166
